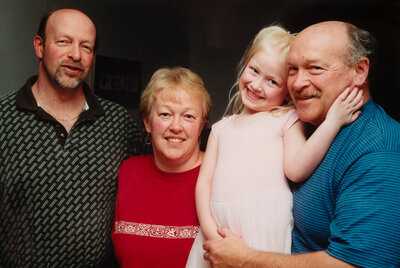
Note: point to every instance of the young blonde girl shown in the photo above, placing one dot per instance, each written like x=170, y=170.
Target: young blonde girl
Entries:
x=250, y=154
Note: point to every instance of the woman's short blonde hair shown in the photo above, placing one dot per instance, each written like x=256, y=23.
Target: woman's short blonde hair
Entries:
x=169, y=80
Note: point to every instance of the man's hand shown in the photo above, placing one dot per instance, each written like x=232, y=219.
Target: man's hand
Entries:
x=230, y=251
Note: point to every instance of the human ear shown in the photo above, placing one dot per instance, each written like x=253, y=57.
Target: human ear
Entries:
x=146, y=124
x=361, y=71
x=38, y=45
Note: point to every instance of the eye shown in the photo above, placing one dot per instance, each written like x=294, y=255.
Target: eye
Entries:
x=273, y=82
x=87, y=49
x=62, y=42
x=252, y=69
x=189, y=116
x=293, y=70
x=315, y=69
x=164, y=114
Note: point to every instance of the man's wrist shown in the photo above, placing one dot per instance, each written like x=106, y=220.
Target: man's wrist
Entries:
x=251, y=258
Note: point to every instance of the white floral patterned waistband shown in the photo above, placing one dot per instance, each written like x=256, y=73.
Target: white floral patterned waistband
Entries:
x=153, y=230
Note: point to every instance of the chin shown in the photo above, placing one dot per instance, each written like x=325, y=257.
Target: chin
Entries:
x=173, y=155
x=309, y=117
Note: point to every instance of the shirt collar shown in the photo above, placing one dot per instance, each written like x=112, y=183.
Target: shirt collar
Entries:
x=26, y=100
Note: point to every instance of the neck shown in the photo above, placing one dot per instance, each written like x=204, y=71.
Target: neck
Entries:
x=367, y=94
x=179, y=165
x=64, y=105
x=56, y=97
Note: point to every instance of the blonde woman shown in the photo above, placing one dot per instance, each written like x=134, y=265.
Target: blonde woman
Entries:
x=155, y=216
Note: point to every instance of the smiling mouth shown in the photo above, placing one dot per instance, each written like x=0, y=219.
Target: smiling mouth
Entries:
x=74, y=68
x=176, y=140
x=254, y=95
x=305, y=97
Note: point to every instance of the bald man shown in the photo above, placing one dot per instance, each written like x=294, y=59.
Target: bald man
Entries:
x=348, y=212
x=60, y=151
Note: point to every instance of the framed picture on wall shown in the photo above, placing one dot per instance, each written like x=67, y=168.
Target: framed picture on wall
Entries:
x=118, y=80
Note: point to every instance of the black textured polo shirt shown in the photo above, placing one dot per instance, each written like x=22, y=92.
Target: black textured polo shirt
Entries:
x=57, y=190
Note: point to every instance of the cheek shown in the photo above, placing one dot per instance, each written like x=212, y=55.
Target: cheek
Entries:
x=245, y=78
x=279, y=95
x=289, y=83
x=88, y=60
x=160, y=126
x=157, y=126
x=193, y=130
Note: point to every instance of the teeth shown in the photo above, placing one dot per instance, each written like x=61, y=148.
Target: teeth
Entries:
x=254, y=94
x=174, y=140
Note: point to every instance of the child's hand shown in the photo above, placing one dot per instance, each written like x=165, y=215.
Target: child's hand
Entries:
x=344, y=110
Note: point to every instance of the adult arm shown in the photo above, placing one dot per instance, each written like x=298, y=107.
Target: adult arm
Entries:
x=364, y=230
x=301, y=156
x=203, y=189
x=231, y=251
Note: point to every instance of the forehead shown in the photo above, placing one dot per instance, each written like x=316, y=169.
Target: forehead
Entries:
x=177, y=95
x=71, y=22
x=319, y=44
x=270, y=60
x=267, y=53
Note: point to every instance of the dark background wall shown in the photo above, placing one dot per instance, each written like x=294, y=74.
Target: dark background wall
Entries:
x=208, y=37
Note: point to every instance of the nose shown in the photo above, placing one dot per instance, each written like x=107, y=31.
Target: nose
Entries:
x=75, y=52
x=299, y=81
x=176, y=124
x=257, y=84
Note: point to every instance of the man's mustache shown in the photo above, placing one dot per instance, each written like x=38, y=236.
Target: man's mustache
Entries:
x=77, y=65
x=305, y=94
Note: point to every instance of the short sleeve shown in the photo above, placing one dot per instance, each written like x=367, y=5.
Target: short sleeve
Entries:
x=291, y=118
x=216, y=127
x=365, y=229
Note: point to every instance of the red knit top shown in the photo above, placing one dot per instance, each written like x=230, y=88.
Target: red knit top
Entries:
x=155, y=215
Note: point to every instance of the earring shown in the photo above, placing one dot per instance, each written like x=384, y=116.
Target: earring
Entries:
x=147, y=139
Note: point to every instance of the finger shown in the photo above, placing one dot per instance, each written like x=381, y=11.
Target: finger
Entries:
x=206, y=256
x=223, y=232
x=345, y=93
x=206, y=246
x=355, y=116
x=353, y=94
x=350, y=99
x=343, y=97
x=358, y=101
x=358, y=96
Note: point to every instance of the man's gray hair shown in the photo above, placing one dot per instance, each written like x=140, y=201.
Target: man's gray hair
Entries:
x=361, y=44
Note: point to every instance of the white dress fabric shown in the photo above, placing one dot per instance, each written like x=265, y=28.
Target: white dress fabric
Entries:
x=250, y=192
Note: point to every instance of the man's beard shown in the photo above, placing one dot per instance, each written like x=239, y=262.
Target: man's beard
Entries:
x=66, y=81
